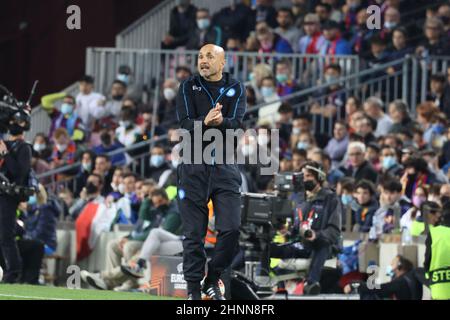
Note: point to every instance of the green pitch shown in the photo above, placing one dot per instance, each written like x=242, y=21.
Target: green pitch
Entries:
x=25, y=292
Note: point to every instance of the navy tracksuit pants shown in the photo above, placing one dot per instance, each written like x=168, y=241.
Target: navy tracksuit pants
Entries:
x=197, y=184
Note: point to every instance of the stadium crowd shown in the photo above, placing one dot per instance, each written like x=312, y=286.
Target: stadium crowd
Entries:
x=385, y=162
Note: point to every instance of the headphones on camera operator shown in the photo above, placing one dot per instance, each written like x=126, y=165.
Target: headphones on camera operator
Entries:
x=316, y=167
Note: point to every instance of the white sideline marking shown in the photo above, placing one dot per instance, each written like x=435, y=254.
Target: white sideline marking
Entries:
x=30, y=297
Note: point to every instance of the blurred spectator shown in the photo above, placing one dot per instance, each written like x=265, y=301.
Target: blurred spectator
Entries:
x=127, y=201
x=110, y=144
x=431, y=157
x=64, y=151
x=437, y=90
x=42, y=147
x=399, y=113
x=365, y=128
x=379, y=53
x=265, y=11
x=410, y=219
x=387, y=217
x=157, y=164
x=427, y=114
x=285, y=123
x=269, y=113
x=444, y=15
x=361, y=36
x=105, y=169
x=352, y=104
x=259, y=72
x=118, y=94
x=286, y=84
x=67, y=117
x=390, y=163
x=166, y=111
x=127, y=131
x=90, y=193
x=436, y=43
x=117, y=185
x=365, y=205
x=336, y=12
x=181, y=25
x=323, y=11
x=205, y=32
x=373, y=155
x=169, y=177
x=41, y=220
x=358, y=167
x=313, y=41
x=234, y=20
x=416, y=174
x=146, y=132
x=40, y=166
x=298, y=159
x=66, y=201
x=374, y=106
x=391, y=21
x=182, y=73
x=337, y=146
x=400, y=47
x=300, y=8
x=126, y=76
x=336, y=44
x=89, y=103
x=86, y=169
x=286, y=28
x=351, y=10
x=271, y=42
x=334, y=96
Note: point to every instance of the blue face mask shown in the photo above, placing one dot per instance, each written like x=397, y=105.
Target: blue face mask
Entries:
x=267, y=91
x=282, y=78
x=66, y=108
x=302, y=145
x=32, y=200
x=156, y=161
x=124, y=78
x=389, y=271
x=346, y=199
x=251, y=77
x=203, y=24
x=389, y=162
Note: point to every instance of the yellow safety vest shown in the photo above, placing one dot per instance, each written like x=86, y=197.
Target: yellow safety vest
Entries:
x=439, y=273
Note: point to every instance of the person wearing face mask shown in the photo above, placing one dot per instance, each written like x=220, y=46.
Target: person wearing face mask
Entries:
x=91, y=193
x=127, y=131
x=15, y=165
x=413, y=219
x=86, y=168
x=406, y=283
x=64, y=150
x=114, y=105
x=42, y=147
x=390, y=166
x=156, y=164
x=320, y=214
x=205, y=33
x=268, y=114
x=169, y=177
x=391, y=21
x=167, y=110
x=64, y=117
x=416, y=174
x=345, y=188
x=125, y=75
x=286, y=85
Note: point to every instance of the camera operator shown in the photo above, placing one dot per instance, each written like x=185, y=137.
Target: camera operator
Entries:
x=317, y=223
x=15, y=162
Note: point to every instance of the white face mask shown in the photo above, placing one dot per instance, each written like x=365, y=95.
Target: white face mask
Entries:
x=263, y=140
x=247, y=150
x=121, y=188
x=169, y=94
x=175, y=163
x=61, y=147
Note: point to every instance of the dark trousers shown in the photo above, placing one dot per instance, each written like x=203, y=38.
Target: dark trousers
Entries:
x=197, y=184
x=32, y=252
x=319, y=253
x=8, y=244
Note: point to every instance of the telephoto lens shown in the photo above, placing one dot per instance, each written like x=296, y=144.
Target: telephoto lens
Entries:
x=306, y=233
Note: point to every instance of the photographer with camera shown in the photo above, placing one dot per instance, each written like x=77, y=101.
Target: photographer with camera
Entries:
x=317, y=225
x=15, y=159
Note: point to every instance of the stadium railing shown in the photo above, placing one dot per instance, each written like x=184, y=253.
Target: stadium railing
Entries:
x=152, y=66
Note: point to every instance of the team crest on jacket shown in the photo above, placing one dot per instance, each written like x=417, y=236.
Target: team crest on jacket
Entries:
x=231, y=93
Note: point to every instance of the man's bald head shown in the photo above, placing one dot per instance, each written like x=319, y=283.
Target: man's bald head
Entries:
x=211, y=61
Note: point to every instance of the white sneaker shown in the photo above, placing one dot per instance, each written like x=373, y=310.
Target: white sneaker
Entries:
x=93, y=279
x=126, y=286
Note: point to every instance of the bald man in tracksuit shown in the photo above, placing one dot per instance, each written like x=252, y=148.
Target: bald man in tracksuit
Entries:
x=213, y=99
